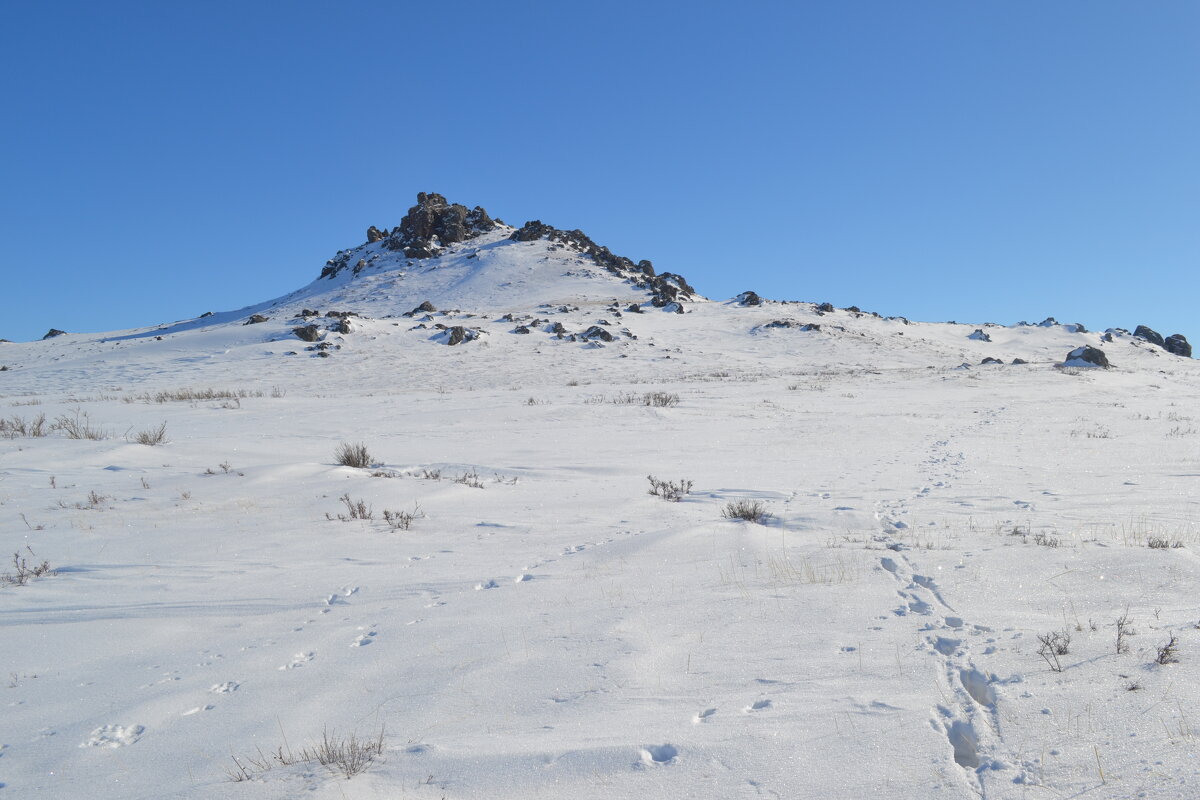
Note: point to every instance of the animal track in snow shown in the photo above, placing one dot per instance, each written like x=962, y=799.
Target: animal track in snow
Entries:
x=224, y=688
x=488, y=584
x=703, y=716
x=758, y=705
x=114, y=736
x=197, y=710
x=363, y=639
x=299, y=660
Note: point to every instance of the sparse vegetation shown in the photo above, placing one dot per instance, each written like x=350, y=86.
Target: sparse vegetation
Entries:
x=18, y=427
x=347, y=756
x=1052, y=645
x=1124, y=631
x=1169, y=652
x=22, y=572
x=352, y=455
x=355, y=509
x=471, y=479
x=152, y=436
x=195, y=395
x=403, y=520
x=78, y=426
x=668, y=490
x=749, y=510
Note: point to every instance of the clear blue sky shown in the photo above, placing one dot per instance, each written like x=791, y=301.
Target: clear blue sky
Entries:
x=940, y=159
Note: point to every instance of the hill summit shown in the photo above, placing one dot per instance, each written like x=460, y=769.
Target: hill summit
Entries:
x=434, y=227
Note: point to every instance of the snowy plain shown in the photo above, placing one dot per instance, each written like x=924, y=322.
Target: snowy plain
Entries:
x=548, y=628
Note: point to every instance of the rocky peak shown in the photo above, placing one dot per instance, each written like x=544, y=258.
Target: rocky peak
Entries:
x=427, y=227
x=434, y=222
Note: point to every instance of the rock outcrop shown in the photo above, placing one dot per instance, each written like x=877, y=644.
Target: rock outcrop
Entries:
x=1150, y=335
x=428, y=227
x=50, y=334
x=1177, y=343
x=435, y=222
x=667, y=287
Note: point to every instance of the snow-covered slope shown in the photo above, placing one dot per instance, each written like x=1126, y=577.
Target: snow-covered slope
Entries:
x=544, y=626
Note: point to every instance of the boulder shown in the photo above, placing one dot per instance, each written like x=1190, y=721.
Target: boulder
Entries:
x=255, y=319
x=342, y=325
x=52, y=333
x=1150, y=335
x=980, y=336
x=1177, y=343
x=596, y=332
x=1019, y=361
x=458, y=335
x=749, y=299
x=990, y=360
x=308, y=333
x=376, y=235
x=825, y=308
x=1086, y=356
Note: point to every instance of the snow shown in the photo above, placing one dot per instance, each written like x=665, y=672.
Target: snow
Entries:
x=545, y=627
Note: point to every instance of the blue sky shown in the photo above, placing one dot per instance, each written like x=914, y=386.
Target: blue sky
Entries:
x=977, y=161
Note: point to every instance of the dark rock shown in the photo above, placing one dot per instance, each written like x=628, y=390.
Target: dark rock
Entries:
x=825, y=308
x=52, y=333
x=206, y=314
x=990, y=360
x=1019, y=361
x=521, y=329
x=342, y=326
x=425, y=308
x=1150, y=335
x=340, y=314
x=308, y=333
x=1048, y=322
x=255, y=319
x=375, y=235
x=1107, y=337
x=596, y=332
x=1078, y=326
x=1087, y=356
x=4, y=368
x=458, y=334
x=1177, y=343
x=854, y=309
x=980, y=336
x=308, y=312
x=558, y=328
x=749, y=299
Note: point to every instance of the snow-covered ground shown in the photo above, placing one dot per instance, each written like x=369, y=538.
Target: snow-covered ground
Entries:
x=546, y=627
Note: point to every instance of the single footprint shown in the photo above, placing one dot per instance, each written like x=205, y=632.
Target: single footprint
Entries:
x=703, y=716
x=197, y=710
x=363, y=639
x=758, y=705
x=299, y=660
